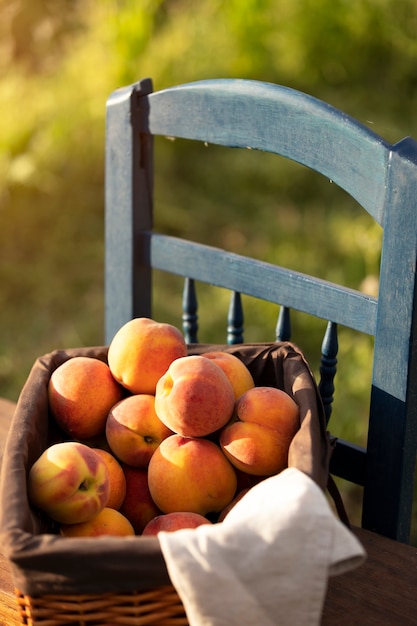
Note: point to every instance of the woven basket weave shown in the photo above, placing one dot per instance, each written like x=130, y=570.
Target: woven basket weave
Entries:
x=158, y=607
x=109, y=581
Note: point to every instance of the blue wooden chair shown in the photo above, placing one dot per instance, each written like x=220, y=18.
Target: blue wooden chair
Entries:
x=381, y=177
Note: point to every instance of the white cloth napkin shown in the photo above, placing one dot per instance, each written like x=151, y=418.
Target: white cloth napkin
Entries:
x=268, y=562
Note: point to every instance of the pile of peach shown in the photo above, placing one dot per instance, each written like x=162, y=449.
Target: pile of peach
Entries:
x=158, y=439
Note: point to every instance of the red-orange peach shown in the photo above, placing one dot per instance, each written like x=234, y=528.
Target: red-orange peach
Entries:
x=236, y=371
x=107, y=522
x=254, y=449
x=257, y=441
x=190, y=474
x=169, y=522
x=134, y=431
x=81, y=392
x=270, y=407
x=141, y=351
x=138, y=506
x=117, y=479
x=194, y=398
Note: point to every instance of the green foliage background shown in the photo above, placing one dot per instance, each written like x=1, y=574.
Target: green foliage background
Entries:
x=60, y=60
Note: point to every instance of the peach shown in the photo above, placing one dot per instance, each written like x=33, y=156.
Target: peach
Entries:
x=190, y=474
x=254, y=449
x=271, y=407
x=117, y=479
x=107, y=522
x=141, y=351
x=138, y=505
x=69, y=482
x=230, y=506
x=257, y=441
x=81, y=392
x=169, y=522
x=236, y=371
x=194, y=397
x=134, y=431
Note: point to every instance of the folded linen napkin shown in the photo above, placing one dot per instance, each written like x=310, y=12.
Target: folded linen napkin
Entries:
x=268, y=562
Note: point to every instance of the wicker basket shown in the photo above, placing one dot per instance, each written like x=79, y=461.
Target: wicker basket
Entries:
x=160, y=607
x=112, y=580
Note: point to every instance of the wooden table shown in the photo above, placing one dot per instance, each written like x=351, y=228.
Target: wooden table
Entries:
x=8, y=605
x=382, y=592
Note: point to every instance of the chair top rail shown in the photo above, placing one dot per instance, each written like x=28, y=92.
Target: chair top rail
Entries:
x=263, y=116
x=263, y=280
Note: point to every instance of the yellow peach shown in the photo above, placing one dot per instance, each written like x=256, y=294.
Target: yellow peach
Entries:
x=81, y=392
x=190, y=474
x=107, y=522
x=141, y=351
x=236, y=371
x=134, y=431
x=194, y=398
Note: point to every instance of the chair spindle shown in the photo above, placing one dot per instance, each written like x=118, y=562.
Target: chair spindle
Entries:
x=328, y=362
x=189, y=308
x=235, y=320
x=283, y=328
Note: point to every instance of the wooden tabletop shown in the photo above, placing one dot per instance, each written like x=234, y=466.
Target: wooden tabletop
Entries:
x=8, y=605
x=381, y=592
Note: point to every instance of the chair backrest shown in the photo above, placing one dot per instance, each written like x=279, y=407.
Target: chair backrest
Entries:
x=381, y=177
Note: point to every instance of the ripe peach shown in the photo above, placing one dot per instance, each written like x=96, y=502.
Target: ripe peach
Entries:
x=116, y=478
x=270, y=407
x=230, y=506
x=81, y=392
x=194, y=397
x=236, y=371
x=190, y=474
x=138, y=506
x=69, y=482
x=257, y=442
x=107, y=522
x=169, y=522
x=134, y=431
x=254, y=449
x=141, y=351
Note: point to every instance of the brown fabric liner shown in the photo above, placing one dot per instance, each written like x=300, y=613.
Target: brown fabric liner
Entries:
x=44, y=562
